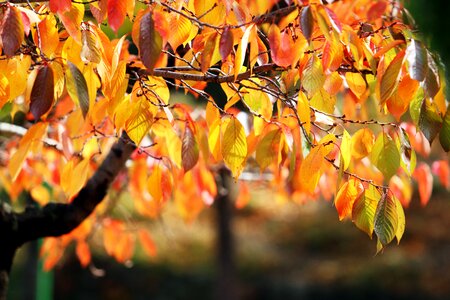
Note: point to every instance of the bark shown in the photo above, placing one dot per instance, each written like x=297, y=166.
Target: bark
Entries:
x=226, y=272
x=56, y=219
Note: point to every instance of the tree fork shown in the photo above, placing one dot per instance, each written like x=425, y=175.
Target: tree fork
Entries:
x=56, y=219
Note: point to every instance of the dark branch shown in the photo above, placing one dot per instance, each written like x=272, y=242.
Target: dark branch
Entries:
x=56, y=219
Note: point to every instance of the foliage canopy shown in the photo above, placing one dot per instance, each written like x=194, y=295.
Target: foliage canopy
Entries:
x=330, y=98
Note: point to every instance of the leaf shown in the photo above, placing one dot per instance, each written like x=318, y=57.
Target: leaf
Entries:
x=423, y=176
x=430, y=121
x=140, y=121
x=189, y=150
x=391, y=77
x=283, y=50
x=150, y=42
x=307, y=22
x=117, y=9
x=416, y=55
x=444, y=135
x=77, y=87
x=154, y=183
x=41, y=98
x=60, y=6
x=313, y=77
x=363, y=210
x=401, y=220
x=31, y=138
x=304, y=112
x=241, y=50
x=346, y=150
x=362, y=143
x=226, y=43
x=312, y=166
x=268, y=149
x=214, y=140
x=234, y=146
x=49, y=38
x=376, y=11
x=4, y=90
x=356, y=83
x=147, y=242
x=72, y=19
x=74, y=177
x=12, y=31
x=346, y=196
x=90, y=51
x=432, y=82
x=407, y=154
x=83, y=253
x=386, y=219
x=208, y=52
x=180, y=30
x=441, y=169
x=385, y=156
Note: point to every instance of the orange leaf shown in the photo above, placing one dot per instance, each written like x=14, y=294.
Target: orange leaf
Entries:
x=390, y=78
x=60, y=6
x=346, y=196
x=83, y=253
x=442, y=170
x=147, y=242
x=362, y=143
x=422, y=174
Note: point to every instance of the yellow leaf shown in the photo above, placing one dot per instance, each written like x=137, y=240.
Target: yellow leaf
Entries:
x=214, y=140
x=173, y=144
x=346, y=149
x=356, y=83
x=4, y=90
x=141, y=119
x=268, y=150
x=74, y=177
x=362, y=143
x=313, y=77
x=241, y=50
x=93, y=83
x=40, y=194
x=180, y=30
x=304, y=112
x=29, y=141
x=234, y=147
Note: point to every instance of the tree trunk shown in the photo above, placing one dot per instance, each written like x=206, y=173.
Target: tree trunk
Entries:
x=6, y=258
x=226, y=277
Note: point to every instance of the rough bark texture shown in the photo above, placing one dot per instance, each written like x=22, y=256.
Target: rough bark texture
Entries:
x=56, y=219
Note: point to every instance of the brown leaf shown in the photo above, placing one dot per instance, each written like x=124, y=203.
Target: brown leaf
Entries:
x=11, y=31
x=41, y=99
x=150, y=41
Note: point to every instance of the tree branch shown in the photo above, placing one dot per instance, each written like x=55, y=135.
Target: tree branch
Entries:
x=56, y=219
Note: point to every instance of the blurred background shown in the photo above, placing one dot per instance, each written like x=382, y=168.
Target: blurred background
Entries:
x=282, y=250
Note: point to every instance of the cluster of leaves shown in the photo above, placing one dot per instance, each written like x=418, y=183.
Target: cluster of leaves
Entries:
x=315, y=95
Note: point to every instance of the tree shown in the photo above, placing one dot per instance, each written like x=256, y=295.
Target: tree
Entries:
x=329, y=97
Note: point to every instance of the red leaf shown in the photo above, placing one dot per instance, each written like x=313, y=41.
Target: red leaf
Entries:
x=442, y=170
x=307, y=22
x=41, y=99
x=11, y=31
x=226, y=43
x=150, y=41
x=117, y=9
x=376, y=10
x=59, y=6
x=425, y=181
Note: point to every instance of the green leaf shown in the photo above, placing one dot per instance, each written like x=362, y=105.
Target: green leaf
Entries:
x=41, y=98
x=386, y=219
x=416, y=55
x=363, y=212
x=189, y=150
x=77, y=87
x=313, y=77
x=415, y=105
x=444, y=135
x=430, y=121
x=390, y=78
x=385, y=156
x=150, y=42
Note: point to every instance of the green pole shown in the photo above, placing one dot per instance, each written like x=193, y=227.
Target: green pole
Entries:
x=45, y=281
